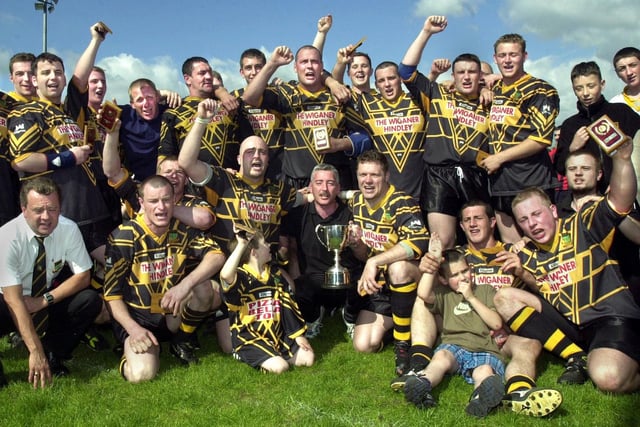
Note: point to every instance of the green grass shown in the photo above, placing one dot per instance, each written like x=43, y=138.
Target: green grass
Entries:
x=344, y=388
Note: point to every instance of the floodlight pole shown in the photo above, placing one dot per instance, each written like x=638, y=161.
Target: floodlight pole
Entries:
x=47, y=7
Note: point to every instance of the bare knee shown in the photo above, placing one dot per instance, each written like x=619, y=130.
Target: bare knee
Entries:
x=139, y=373
x=612, y=371
x=365, y=344
x=275, y=365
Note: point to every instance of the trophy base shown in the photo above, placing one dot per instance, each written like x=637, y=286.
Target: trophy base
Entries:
x=336, y=278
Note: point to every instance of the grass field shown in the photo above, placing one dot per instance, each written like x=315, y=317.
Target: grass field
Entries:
x=343, y=389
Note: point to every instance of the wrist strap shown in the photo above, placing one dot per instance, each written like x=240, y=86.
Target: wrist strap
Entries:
x=66, y=159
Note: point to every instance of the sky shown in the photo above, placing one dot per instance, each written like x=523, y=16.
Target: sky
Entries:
x=152, y=38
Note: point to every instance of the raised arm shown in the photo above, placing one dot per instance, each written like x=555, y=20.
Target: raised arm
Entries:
x=111, y=165
x=425, y=286
x=195, y=169
x=622, y=185
x=438, y=66
x=228, y=272
x=88, y=58
x=324, y=25
x=433, y=24
x=252, y=95
x=343, y=58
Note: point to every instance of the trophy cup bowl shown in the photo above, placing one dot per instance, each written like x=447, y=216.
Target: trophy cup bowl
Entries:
x=334, y=237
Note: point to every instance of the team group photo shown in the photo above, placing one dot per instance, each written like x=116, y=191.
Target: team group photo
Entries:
x=327, y=236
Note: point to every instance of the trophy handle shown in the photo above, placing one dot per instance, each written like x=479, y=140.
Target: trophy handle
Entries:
x=321, y=228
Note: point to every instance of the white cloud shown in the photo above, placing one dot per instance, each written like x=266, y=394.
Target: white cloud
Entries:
x=447, y=7
x=121, y=70
x=603, y=25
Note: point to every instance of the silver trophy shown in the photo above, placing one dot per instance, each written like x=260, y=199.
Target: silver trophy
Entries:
x=334, y=238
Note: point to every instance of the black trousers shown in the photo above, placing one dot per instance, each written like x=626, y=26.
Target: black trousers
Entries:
x=68, y=321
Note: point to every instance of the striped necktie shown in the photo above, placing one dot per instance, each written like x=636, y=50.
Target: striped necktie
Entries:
x=39, y=287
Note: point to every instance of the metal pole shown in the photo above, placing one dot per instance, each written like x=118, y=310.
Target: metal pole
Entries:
x=44, y=27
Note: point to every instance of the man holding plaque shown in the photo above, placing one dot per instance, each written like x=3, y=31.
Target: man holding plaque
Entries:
x=46, y=139
x=150, y=292
x=588, y=85
x=575, y=274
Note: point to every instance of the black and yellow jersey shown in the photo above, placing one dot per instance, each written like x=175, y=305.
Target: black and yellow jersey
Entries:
x=526, y=109
x=575, y=273
x=220, y=143
x=395, y=219
x=457, y=126
x=487, y=270
x=43, y=127
x=265, y=123
x=397, y=130
x=9, y=196
x=140, y=263
x=257, y=206
x=261, y=307
x=304, y=111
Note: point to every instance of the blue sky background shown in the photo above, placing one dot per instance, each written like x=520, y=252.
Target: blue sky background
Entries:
x=152, y=38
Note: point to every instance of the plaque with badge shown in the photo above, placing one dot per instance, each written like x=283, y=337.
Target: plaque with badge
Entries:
x=109, y=113
x=607, y=134
x=90, y=134
x=321, y=138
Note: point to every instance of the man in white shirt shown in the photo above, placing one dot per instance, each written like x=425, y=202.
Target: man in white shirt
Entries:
x=69, y=308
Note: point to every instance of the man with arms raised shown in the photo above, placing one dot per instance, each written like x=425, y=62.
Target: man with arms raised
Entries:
x=246, y=197
x=315, y=123
x=458, y=124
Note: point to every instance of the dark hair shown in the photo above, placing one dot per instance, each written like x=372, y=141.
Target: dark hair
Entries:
x=386, y=64
x=187, y=66
x=488, y=209
x=361, y=54
x=99, y=70
x=449, y=257
x=45, y=57
x=373, y=156
x=253, y=53
x=21, y=57
x=511, y=38
x=467, y=57
x=41, y=185
x=626, y=52
x=586, y=69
